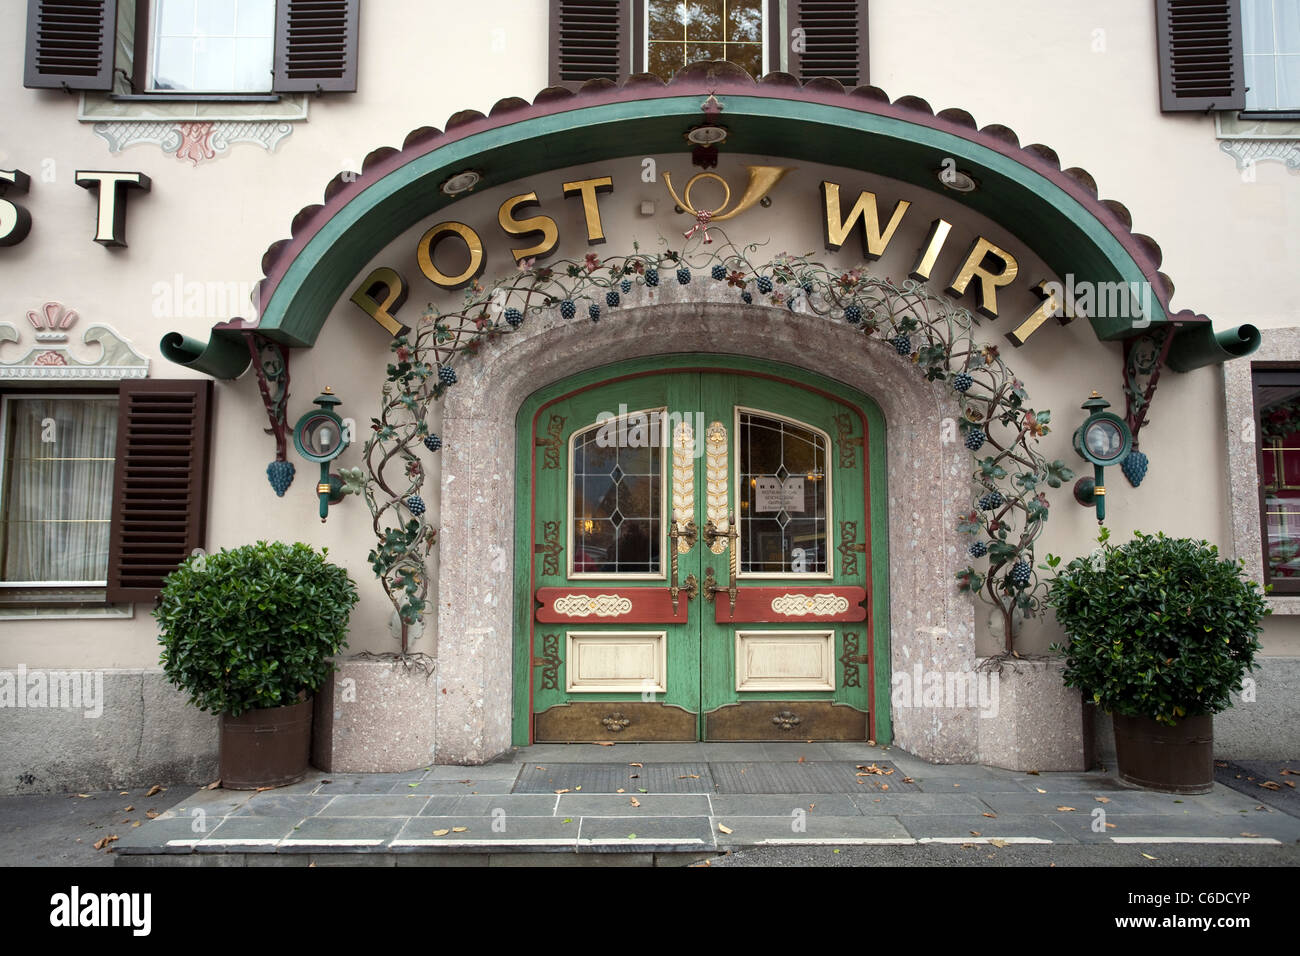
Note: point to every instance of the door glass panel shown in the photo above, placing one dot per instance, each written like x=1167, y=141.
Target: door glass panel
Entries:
x=783, y=496
x=617, y=496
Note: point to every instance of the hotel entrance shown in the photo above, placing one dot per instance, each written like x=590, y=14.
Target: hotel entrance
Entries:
x=700, y=558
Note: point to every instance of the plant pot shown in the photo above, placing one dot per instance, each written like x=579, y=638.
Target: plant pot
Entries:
x=1178, y=759
x=267, y=747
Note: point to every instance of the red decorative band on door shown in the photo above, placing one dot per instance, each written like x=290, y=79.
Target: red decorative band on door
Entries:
x=624, y=605
x=780, y=604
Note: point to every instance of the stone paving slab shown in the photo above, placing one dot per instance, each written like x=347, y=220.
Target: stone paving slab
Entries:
x=358, y=805
x=485, y=805
x=354, y=833
x=529, y=832
x=288, y=805
x=962, y=827
x=250, y=830
x=774, y=805
x=641, y=834
x=620, y=805
x=763, y=830
x=896, y=803
x=1262, y=826
x=808, y=777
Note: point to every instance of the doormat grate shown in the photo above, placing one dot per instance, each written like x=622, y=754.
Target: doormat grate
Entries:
x=747, y=777
x=813, y=777
x=609, y=778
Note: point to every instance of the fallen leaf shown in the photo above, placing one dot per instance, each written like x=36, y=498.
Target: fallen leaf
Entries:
x=723, y=828
x=975, y=833
x=83, y=795
x=991, y=816
x=620, y=790
x=633, y=776
x=128, y=809
x=1289, y=783
x=1149, y=856
x=689, y=776
x=642, y=790
x=800, y=760
x=577, y=788
x=443, y=832
x=908, y=780
x=811, y=805
x=604, y=743
x=104, y=841
x=1032, y=773
x=1000, y=844
x=1102, y=799
x=634, y=765
x=1065, y=809
x=413, y=784
x=464, y=781
x=459, y=829
x=567, y=820
x=884, y=786
x=631, y=836
x=1270, y=785
x=125, y=792
x=135, y=823
x=541, y=768
x=871, y=743
x=260, y=789
x=955, y=785
x=1250, y=834
x=1040, y=789
x=125, y=820
x=156, y=789
x=1289, y=771
x=565, y=790
x=152, y=814
x=635, y=802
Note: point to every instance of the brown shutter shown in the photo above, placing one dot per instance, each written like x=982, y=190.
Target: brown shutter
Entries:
x=590, y=39
x=834, y=40
x=160, y=482
x=316, y=45
x=1199, y=49
x=70, y=44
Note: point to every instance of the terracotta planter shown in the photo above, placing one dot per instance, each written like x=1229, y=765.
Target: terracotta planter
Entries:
x=1178, y=759
x=268, y=747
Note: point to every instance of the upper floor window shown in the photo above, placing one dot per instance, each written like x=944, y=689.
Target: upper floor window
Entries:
x=678, y=34
x=609, y=39
x=212, y=46
x=196, y=48
x=1270, y=32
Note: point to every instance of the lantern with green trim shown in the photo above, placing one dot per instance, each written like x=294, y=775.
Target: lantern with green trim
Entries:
x=321, y=436
x=1103, y=439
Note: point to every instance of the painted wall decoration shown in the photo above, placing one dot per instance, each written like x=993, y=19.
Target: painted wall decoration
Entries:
x=52, y=356
x=194, y=141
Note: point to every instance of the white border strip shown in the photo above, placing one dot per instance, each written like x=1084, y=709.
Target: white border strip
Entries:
x=1266, y=841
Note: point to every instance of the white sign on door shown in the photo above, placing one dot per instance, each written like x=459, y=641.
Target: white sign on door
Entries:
x=770, y=495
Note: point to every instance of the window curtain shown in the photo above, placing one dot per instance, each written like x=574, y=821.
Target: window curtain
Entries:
x=58, y=488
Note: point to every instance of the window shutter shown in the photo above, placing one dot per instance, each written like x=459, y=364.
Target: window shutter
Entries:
x=160, y=482
x=590, y=39
x=833, y=42
x=316, y=46
x=1198, y=43
x=70, y=44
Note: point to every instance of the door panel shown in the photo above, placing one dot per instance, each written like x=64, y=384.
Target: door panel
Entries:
x=684, y=581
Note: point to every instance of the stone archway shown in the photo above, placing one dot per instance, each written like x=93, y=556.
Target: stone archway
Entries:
x=931, y=623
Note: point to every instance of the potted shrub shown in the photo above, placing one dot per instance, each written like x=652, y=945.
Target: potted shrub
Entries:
x=250, y=634
x=1161, y=630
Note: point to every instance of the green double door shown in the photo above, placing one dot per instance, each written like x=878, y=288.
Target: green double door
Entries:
x=700, y=561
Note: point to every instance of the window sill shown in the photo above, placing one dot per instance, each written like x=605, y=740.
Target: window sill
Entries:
x=194, y=97
x=67, y=602
x=116, y=107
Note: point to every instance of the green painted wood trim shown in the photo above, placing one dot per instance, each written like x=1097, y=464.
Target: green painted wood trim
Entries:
x=1043, y=215
x=878, y=519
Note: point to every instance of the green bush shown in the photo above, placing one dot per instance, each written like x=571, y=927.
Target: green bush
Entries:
x=1159, y=627
x=254, y=626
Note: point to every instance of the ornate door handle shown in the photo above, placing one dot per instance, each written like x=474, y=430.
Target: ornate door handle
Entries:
x=678, y=535
x=728, y=542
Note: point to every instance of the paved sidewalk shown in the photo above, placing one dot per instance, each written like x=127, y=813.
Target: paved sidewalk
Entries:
x=677, y=803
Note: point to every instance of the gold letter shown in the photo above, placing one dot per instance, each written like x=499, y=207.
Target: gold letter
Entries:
x=989, y=282
x=15, y=221
x=1053, y=304
x=429, y=242
x=393, y=287
x=110, y=223
x=836, y=229
x=939, y=230
x=589, y=188
x=520, y=227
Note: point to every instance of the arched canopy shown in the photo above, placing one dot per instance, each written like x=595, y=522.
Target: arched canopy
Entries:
x=1055, y=212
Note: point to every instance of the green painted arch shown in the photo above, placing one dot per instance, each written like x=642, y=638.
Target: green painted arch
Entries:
x=1029, y=196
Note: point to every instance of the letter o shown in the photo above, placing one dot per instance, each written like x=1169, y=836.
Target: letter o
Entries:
x=429, y=242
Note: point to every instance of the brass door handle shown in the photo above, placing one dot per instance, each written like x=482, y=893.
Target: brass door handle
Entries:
x=681, y=538
x=712, y=534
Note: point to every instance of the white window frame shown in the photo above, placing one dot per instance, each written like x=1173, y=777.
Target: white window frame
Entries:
x=766, y=31
x=155, y=22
